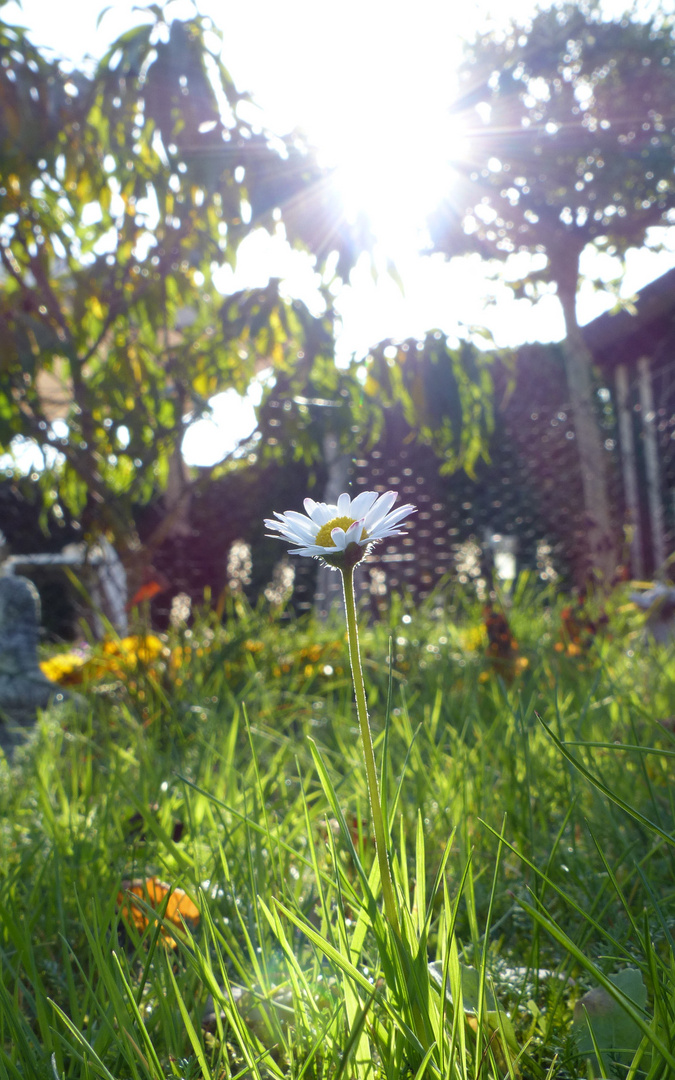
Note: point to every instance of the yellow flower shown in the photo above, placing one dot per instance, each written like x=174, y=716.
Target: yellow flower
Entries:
x=473, y=638
x=65, y=669
x=144, y=647
x=254, y=646
x=116, y=657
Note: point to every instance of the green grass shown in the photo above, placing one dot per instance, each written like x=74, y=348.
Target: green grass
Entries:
x=532, y=846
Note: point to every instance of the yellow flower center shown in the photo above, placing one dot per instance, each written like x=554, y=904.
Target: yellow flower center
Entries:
x=324, y=538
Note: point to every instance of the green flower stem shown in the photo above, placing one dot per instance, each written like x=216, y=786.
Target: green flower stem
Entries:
x=368, y=753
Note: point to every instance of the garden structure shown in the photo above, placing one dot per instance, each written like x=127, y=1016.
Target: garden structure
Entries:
x=524, y=500
x=634, y=351
x=522, y=506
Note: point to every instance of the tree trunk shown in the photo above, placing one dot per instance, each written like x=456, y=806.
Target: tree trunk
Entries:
x=601, y=549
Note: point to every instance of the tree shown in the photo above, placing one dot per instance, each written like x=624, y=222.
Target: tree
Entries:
x=445, y=395
x=570, y=125
x=121, y=194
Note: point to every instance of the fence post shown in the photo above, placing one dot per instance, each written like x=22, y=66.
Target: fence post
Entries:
x=652, y=463
x=629, y=470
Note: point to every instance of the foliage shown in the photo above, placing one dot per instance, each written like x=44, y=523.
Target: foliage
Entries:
x=311, y=398
x=569, y=127
x=445, y=394
x=198, y=771
x=120, y=198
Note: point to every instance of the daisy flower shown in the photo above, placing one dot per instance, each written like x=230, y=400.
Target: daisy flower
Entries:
x=341, y=533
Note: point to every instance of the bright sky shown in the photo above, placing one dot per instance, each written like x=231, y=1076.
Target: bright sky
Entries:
x=370, y=83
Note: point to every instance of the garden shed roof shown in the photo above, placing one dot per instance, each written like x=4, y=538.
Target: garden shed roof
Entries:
x=623, y=337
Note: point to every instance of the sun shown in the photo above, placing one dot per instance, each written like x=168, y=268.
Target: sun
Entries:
x=394, y=167
x=372, y=90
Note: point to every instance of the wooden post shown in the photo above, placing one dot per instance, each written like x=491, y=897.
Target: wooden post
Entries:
x=652, y=464
x=629, y=471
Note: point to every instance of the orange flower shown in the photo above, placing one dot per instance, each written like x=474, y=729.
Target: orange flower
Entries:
x=174, y=904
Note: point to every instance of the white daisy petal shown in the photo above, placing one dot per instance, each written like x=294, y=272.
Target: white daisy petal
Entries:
x=321, y=513
x=339, y=538
x=362, y=503
x=343, y=505
x=354, y=533
x=379, y=510
x=386, y=534
x=288, y=533
x=297, y=537
x=299, y=519
x=279, y=523
x=311, y=507
x=278, y=526
x=392, y=519
x=387, y=526
x=301, y=524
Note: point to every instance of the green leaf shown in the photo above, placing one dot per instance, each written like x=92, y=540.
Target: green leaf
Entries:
x=601, y=1024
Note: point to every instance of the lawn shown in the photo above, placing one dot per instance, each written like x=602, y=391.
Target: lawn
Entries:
x=188, y=881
